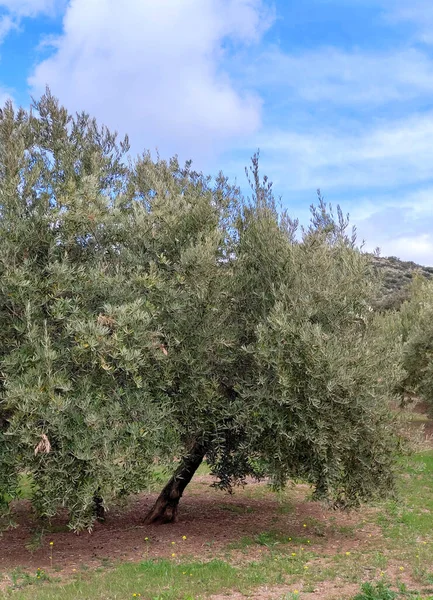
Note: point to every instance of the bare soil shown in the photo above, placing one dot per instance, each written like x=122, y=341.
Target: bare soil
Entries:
x=211, y=520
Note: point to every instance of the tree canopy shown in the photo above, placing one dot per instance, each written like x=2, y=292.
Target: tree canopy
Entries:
x=415, y=326
x=153, y=316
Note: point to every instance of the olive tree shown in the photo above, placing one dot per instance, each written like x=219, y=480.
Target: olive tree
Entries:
x=154, y=316
x=77, y=414
x=297, y=374
x=415, y=320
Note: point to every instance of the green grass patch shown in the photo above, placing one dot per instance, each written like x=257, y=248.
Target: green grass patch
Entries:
x=270, y=539
x=406, y=546
x=383, y=591
x=237, y=509
x=411, y=515
x=168, y=580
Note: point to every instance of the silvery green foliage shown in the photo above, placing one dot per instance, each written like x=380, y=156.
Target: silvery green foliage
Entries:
x=146, y=308
x=314, y=374
x=416, y=329
x=78, y=414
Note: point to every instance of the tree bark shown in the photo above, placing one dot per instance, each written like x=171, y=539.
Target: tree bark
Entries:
x=98, y=507
x=166, y=507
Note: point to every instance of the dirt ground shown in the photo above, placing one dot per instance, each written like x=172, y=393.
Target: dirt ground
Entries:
x=210, y=519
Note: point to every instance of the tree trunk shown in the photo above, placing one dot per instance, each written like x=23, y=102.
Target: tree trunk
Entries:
x=165, y=508
x=98, y=507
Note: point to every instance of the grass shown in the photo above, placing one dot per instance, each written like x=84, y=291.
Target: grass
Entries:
x=168, y=580
x=402, y=552
x=383, y=591
x=165, y=580
x=270, y=539
x=408, y=523
x=237, y=509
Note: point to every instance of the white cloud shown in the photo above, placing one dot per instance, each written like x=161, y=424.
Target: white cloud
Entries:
x=401, y=223
x=154, y=69
x=337, y=77
x=418, y=248
x=419, y=13
x=15, y=10
x=158, y=70
x=418, y=204
x=30, y=8
x=5, y=94
x=385, y=154
x=382, y=175
x=6, y=25
x=416, y=13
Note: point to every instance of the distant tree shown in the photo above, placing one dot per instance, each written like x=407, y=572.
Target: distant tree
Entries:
x=149, y=312
x=415, y=320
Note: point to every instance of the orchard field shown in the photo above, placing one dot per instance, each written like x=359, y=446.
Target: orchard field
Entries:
x=252, y=544
x=164, y=336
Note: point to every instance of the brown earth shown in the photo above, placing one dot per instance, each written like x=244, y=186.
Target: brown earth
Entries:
x=210, y=519
x=212, y=522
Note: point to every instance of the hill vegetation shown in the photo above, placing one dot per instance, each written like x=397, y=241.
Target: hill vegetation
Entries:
x=397, y=276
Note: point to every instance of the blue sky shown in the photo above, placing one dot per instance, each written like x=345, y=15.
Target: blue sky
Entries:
x=337, y=94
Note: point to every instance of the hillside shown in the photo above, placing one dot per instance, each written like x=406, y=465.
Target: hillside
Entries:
x=397, y=275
